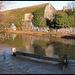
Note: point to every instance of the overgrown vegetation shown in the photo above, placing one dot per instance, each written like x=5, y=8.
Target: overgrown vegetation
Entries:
x=38, y=18
x=64, y=19
x=2, y=25
x=15, y=16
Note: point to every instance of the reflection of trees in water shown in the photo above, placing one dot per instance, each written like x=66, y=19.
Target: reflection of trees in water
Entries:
x=38, y=49
x=65, y=49
x=65, y=46
x=29, y=40
x=63, y=41
x=17, y=42
x=3, y=37
x=61, y=48
x=2, y=45
x=42, y=45
x=13, y=36
x=27, y=43
x=69, y=41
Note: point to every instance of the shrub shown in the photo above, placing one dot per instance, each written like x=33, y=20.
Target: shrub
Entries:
x=38, y=18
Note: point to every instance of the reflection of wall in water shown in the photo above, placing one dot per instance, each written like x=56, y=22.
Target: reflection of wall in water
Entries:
x=28, y=41
x=13, y=36
x=34, y=38
x=49, y=51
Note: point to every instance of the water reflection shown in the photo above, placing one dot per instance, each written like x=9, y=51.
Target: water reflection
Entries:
x=13, y=36
x=42, y=45
x=49, y=50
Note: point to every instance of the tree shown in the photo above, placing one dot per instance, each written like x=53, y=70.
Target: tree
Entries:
x=70, y=13
x=2, y=26
x=3, y=5
x=62, y=19
x=71, y=5
x=1, y=2
x=71, y=20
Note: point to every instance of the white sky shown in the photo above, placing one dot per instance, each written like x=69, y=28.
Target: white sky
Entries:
x=58, y=5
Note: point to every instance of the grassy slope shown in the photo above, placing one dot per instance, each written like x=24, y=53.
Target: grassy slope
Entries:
x=16, y=15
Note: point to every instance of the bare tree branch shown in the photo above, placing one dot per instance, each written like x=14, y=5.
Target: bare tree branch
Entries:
x=1, y=2
x=4, y=4
x=71, y=5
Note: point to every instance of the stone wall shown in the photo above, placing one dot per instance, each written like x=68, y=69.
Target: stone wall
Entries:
x=70, y=30
x=49, y=11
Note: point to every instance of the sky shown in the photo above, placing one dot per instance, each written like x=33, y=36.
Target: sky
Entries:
x=58, y=5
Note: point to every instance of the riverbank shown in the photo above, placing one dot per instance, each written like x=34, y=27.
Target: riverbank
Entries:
x=26, y=32
x=59, y=35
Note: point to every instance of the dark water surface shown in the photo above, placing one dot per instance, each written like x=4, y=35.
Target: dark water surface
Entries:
x=42, y=45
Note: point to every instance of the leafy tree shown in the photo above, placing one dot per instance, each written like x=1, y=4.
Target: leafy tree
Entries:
x=2, y=25
x=1, y=16
x=70, y=13
x=64, y=19
x=71, y=20
x=53, y=24
x=61, y=20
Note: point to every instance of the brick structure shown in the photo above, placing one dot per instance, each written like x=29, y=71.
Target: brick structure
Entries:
x=65, y=9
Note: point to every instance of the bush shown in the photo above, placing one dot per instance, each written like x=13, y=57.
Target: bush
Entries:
x=64, y=19
x=38, y=18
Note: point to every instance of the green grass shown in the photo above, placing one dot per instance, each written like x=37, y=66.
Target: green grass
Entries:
x=16, y=15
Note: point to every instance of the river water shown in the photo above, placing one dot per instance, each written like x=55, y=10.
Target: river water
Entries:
x=41, y=45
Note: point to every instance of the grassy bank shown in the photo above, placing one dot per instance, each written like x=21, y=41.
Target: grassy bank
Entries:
x=27, y=32
x=59, y=35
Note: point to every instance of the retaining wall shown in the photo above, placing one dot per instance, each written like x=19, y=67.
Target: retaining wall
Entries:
x=70, y=30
